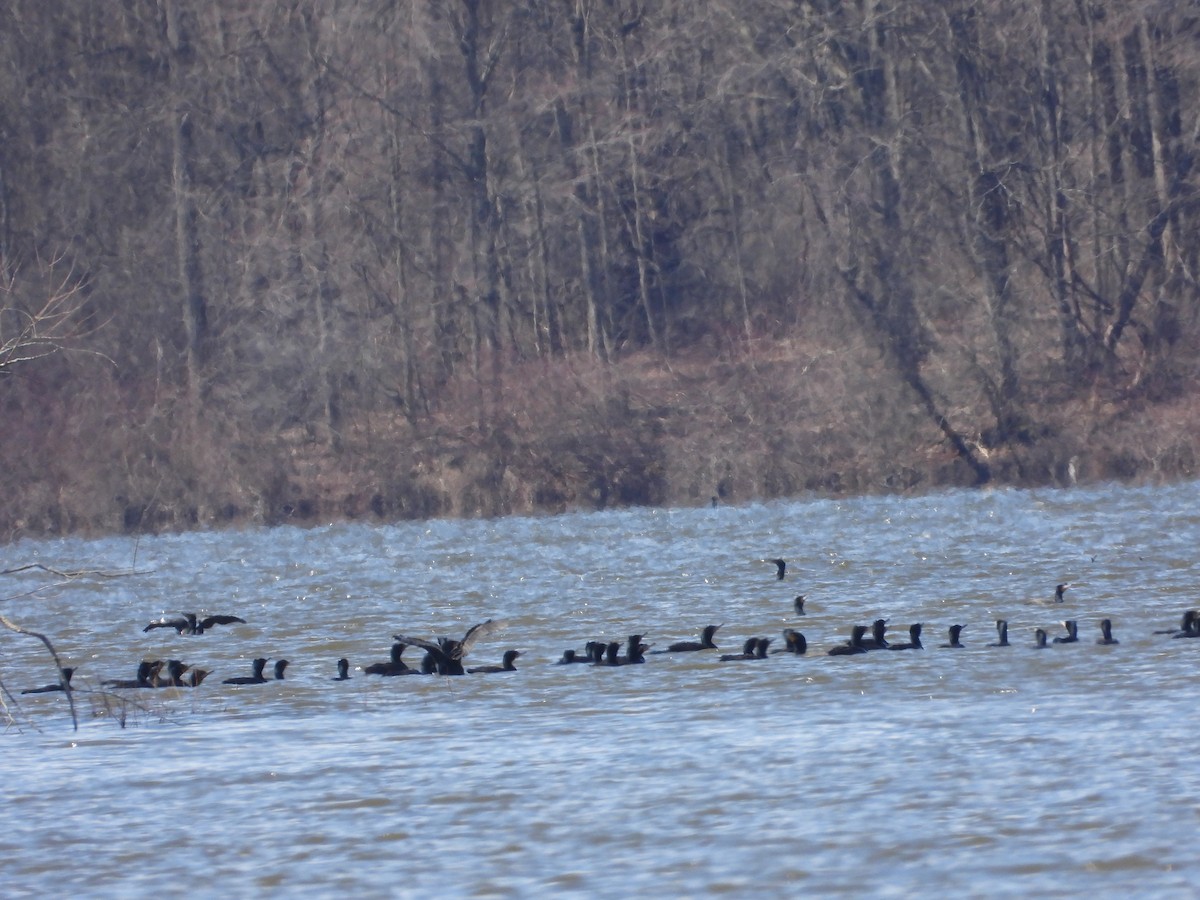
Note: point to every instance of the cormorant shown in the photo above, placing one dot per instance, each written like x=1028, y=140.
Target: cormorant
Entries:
x=509, y=657
x=63, y=684
x=1039, y=637
x=174, y=676
x=955, y=631
x=914, y=639
x=189, y=624
x=1106, y=633
x=147, y=672
x=705, y=642
x=279, y=668
x=1002, y=631
x=794, y=642
x=877, y=640
x=780, y=568
x=798, y=603
x=343, y=666
x=749, y=650
x=854, y=645
x=1059, y=589
x=395, y=666
x=1072, y=635
x=256, y=678
x=445, y=657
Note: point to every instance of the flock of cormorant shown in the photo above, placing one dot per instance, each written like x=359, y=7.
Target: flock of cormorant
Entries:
x=445, y=656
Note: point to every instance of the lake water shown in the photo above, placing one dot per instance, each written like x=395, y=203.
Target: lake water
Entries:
x=975, y=772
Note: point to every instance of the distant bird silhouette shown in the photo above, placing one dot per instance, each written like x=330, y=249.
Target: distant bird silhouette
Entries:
x=798, y=603
x=749, y=651
x=445, y=657
x=955, y=631
x=914, y=639
x=1002, y=632
x=280, y=666
x=853, y=646
x=1039, y=638
x=394, y=666
x=1059, y=590
x=1072, y=635
x=147, y=671
x=1106, y=633
x=196, y=677
x=63, y=684
x=705, y=642
x=878, y=639
x=343, y=667
x=793, y=642
x=189, y=624
x=257, y=678
x=174, y=676
x=510, y=657
x=1189, y=626
x=780, y=568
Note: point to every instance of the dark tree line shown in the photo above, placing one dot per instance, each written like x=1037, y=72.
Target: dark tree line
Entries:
x=317, y=230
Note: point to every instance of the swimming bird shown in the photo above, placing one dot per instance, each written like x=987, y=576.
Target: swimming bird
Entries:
x=705, y=642
x=876, y=641
x=196, y=677
x=174, y=676
x=1039, y=638
x=798, y=604
x=793, y=642
x=257, y=678
x=780, y=568
x=634, y=651
x=749, y=651
x=279, y=668
x=1002, y=631
x=1106, y=633
x=63, y=684
x=343, y=667
x=855, y=644
x=1189, y=626
x=955, y=631
x=914, y=639
x=1072, y=635
x=445, y=657
x=395, y=666
x=510, y=657
x=190, y=624
x=147, y=670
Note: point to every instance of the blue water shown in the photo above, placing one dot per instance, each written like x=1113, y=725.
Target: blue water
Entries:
x=981, y=771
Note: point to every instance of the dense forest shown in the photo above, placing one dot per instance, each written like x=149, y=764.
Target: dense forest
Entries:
x=302, y=260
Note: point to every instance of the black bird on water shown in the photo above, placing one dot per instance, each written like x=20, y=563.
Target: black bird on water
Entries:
x=705, y=642
x=63, y=684
x=1106, y=633
x=914, y=639
x=343, y=666
x=1059, y=590
x=955, y=631
x=793, y=642
x=798, y=603
x=1039, y=638
x=279, y=669
x=174, y=676
x=855, y=644
x=445, y=657
x=1189, y=626
x=1002, y=632
x=1072, y=635
x=780, y=568
x=510, y=657
x=754, y=648
x=147, y=671
x=257, y=678
x=394, y=666
x=593, y=653
x=878, y=639
x=190, y=624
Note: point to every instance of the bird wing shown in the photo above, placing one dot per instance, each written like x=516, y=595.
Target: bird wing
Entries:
x=476, y=632
x=221, y=620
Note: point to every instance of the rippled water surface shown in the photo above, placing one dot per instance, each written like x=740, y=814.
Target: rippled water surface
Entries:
x=973, y=772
